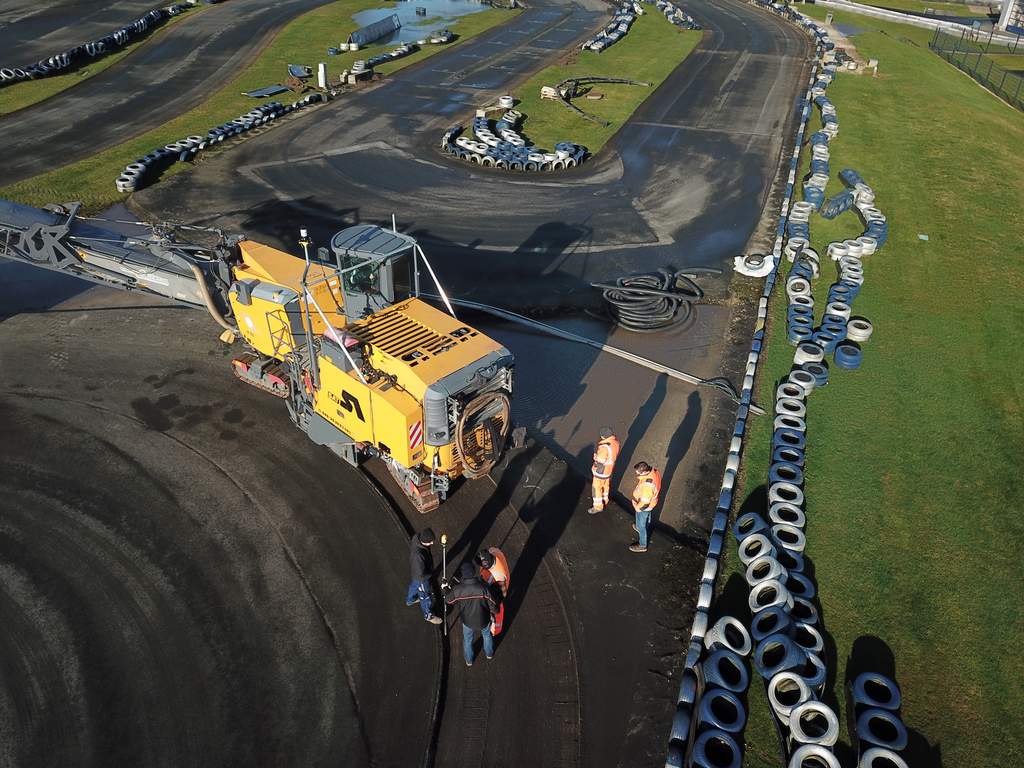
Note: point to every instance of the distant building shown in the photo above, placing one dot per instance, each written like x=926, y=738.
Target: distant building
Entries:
x=1012, y=17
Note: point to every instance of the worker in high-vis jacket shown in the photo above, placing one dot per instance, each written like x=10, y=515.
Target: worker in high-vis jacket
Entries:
x=645, y=499
x=494, y=571
x=605, y=453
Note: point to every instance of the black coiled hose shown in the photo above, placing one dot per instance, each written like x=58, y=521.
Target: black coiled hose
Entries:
x=655, y=301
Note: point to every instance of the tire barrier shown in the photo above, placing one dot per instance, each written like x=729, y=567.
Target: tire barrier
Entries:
x=709, y=708
x=785, y=623
x=616, y=29
x=873, y=701
x=506, y=148
x=77, y=55
x=676, y=15
x=144, y=170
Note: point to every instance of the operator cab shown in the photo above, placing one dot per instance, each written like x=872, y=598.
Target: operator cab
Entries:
x=378, y=266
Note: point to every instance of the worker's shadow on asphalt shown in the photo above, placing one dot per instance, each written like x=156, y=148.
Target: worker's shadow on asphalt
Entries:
x=545, y=510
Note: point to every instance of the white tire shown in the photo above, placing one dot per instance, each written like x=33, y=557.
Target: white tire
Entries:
x=814, y=723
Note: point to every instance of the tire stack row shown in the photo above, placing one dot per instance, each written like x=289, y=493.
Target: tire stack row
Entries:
x=675, y=14
x=784, y=622
x=383, y=58
x=873, y=701
x=74, y=57
x=616, y=29
x=710, y=710
x=500, y=145
x=681, y=743
x=785, y=631
x=136, y=175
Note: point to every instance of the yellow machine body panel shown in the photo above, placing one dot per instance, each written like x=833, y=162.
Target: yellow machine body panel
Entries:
x=264, y=321
x=380, y=413
x=275, y=312
x=420, y=345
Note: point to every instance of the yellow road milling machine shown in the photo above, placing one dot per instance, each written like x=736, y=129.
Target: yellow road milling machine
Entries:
x=365, y=367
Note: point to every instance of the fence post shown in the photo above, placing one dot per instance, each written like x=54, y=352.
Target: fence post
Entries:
x=1016, y=98
x=1001, y=82
x=976, y=65
x=988, y=74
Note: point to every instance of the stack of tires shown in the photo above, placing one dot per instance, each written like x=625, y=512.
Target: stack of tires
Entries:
x=676, y=15
x=382, y=58
x=873, y=701
x=710, y=708
x=615, y=30
x=498, y=144
x=147, y=168
x=72, y=57
x=785, y=629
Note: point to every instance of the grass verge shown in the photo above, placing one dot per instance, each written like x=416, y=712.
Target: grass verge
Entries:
x=1008, y=61
x=304, y=41
x=548, y=122
x=29, y=92
x=921, y=6
x=913, y=479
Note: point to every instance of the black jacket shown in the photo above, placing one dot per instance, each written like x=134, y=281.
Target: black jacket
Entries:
x=421, y=564
x=474, y=601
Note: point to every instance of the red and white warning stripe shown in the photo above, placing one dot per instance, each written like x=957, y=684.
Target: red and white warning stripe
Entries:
x=416, y=435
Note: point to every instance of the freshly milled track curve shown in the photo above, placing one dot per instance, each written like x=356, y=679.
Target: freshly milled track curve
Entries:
x=176, y=574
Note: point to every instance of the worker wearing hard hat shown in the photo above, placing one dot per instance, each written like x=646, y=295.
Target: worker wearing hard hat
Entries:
x=494, y=572
x=645, y=499
x=605, y=453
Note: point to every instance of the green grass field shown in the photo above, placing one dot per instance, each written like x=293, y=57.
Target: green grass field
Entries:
x=921, y=6
x=25, y=94
x=913, y=474
x=549, y=122
x=304, y=40
x=1008, y=61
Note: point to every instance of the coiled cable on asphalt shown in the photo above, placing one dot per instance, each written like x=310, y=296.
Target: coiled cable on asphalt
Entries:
x=655, y=301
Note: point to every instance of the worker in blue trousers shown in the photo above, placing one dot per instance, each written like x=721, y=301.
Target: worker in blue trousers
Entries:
x=477, y=610
x=422, y=565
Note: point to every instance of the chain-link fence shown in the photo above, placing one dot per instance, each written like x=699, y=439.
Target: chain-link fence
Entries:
x=974, y=57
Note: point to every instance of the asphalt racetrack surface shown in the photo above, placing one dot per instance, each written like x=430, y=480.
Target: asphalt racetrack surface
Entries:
x=683, y=183
x=165, y=77
x=189, y=580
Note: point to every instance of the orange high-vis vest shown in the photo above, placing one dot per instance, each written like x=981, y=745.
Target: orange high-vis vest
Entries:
x=497, y=573
x=648, y=488
x=605, y=454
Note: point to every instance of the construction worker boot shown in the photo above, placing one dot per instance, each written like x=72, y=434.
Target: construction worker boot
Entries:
x=637, y=548
x=434, y=619
x=593, y=510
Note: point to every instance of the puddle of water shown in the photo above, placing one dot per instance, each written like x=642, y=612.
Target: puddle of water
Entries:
x=440, y=14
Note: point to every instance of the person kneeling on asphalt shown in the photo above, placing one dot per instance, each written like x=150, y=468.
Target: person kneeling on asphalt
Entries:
x=476, y=608
x=645, y=499
x=422, y=565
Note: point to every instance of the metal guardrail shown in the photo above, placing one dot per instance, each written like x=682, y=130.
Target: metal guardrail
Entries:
x=974, y=58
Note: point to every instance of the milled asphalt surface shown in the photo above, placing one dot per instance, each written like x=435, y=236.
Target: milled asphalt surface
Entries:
x=169, y=75
x=164, y=512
